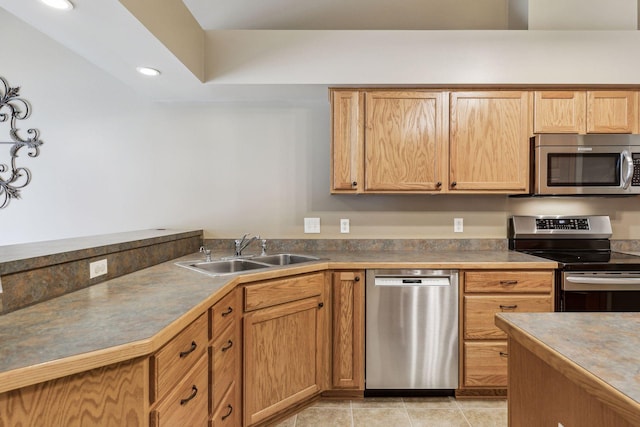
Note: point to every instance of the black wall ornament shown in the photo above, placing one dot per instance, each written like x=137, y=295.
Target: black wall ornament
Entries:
x=13, y=108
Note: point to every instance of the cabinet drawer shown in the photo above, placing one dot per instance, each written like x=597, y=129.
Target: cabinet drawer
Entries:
x=508, y=281
x=176, y=358
x=228, y=413
x=485, y=364
x=225, y=357
x=187, y=404
x=479, y=312
x=280, y=291
x=224, y=313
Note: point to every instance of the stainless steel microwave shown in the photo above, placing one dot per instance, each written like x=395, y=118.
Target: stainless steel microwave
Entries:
x=595, y=164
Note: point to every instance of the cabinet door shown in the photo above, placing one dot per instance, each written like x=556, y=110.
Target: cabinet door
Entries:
x=612, y=112
x=489, y=141
x=560, y=112
x=348, y=330
x=404, y=145
x=346, y=141
x=485, y=364
x=282, y=357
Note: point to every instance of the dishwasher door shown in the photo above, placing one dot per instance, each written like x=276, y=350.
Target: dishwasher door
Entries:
x=411, y=330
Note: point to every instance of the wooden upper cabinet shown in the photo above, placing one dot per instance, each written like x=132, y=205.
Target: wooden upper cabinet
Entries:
x=612, y=112
x=560, y=112
x=586, y=112
x=489, y=141
x=346, y=141
x=405, y=146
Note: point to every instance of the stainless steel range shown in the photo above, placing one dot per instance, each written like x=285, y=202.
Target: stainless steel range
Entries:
x=590, y=276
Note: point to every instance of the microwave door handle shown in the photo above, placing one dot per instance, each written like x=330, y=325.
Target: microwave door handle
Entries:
x=628, y=174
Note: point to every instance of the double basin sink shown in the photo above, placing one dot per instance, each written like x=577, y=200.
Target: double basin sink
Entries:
x=238, y=265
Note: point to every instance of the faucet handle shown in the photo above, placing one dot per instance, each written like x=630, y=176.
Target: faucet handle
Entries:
x=263, y=245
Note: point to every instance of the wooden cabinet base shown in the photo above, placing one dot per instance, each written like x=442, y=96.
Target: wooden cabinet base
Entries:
x=485, y=393
x=543, y=396
x=113, y=395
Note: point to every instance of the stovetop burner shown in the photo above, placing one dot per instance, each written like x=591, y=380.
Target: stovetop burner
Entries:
x=600, y=260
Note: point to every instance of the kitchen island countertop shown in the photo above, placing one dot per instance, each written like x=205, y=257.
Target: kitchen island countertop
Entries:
x=598, y=351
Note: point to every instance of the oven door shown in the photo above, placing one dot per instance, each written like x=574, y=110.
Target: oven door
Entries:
x=575, y=170
x=600, y=291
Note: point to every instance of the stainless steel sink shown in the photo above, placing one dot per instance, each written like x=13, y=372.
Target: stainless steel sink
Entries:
x=238, y=265
x=220, y=268
x=284, y=259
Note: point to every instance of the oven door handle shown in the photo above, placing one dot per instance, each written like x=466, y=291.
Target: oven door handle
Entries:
x=601, y=283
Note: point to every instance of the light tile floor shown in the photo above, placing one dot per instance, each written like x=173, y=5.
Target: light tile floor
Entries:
x=401, y=412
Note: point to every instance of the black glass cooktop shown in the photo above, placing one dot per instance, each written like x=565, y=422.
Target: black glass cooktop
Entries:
x=592, y=260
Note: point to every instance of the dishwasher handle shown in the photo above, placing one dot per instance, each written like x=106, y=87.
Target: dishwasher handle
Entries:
x=413, y=281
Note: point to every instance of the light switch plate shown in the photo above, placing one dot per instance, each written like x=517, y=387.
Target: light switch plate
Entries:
x=344, y=225
x=312, y=225
x=458, y=225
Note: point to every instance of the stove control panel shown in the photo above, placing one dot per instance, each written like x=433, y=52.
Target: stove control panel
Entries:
x=562, y=224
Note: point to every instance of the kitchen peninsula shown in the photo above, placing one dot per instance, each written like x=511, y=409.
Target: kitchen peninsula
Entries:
x=108, y=339
x=573, y=369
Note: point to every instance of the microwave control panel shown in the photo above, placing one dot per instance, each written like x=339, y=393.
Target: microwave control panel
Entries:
x=635, y=180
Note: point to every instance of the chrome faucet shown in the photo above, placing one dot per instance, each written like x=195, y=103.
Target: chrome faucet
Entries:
x=206, y=252
x=243, y=243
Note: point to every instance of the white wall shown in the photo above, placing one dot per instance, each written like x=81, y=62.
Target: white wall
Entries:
x=114, y=162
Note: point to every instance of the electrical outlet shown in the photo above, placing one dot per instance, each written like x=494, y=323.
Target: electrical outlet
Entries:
x=312, y=225
x=97, y=268
x=458, y=225
x=344, y=225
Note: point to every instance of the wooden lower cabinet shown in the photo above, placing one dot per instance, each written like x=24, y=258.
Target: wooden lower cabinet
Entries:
x=348, y=330
x=284, y=344
x=485, y=364
x=225, y=361
x=110, y=396
x=484, y=354
x=187, y=404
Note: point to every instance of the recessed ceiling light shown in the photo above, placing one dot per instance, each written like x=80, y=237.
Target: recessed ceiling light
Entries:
x=148, y=71
x=58, y=4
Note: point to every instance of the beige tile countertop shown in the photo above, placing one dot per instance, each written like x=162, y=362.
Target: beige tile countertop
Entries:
x=605, y=346
x=129, y=316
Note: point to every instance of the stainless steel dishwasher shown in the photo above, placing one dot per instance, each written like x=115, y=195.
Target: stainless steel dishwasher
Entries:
x=411, y=338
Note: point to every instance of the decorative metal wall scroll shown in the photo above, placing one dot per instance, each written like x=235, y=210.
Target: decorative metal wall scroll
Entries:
x=13, y=108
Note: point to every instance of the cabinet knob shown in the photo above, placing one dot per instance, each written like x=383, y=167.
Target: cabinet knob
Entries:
x=438, y=184
x=354, y=184
x=357, y=279
x=453, y=184
x=320, y=305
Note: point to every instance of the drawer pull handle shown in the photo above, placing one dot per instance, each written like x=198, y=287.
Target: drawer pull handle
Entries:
x=503, y=354
x=194, y=392
x=228, y=414
x=508, y=282
x=508, y=307
x=228, y=346
x=228, y=312
x=191, y=350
